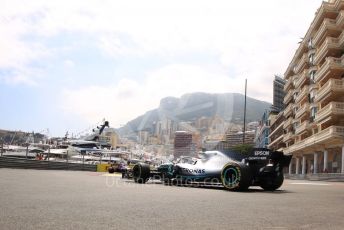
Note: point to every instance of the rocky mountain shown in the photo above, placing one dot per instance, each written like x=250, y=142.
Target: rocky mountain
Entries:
x=190, y=107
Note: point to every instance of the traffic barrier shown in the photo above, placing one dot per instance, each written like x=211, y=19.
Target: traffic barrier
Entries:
x=102, y=167
x=13, y=162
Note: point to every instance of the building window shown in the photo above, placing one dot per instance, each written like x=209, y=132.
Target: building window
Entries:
x=312, y=76
x=311, y=96
x=311, y=59
x=296, y=108
x=310, y=43
x=295, y=125
x=313, y=112
x=295, y=95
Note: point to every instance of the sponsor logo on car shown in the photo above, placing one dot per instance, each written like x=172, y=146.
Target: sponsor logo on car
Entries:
x=261, y=153
x=198, y=171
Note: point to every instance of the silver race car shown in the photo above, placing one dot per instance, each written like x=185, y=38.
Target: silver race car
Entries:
x=234, y=171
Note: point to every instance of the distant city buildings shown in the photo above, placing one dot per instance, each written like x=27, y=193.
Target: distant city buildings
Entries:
x=262, y=132
x=278, y=94
x=233, y=139
x=110, y=137
x=183, y=145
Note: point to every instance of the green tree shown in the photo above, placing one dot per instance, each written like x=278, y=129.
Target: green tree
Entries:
x=243, y=148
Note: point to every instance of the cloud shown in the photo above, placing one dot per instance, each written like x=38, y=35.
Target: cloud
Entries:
x=69, y=63
x=183, y=46
x=128, y=98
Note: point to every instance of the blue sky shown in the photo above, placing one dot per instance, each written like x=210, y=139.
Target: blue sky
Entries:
x=67, y=65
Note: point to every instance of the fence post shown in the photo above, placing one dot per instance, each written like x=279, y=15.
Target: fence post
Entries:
x=67, y=159
x=2, y=147
x=49, y=154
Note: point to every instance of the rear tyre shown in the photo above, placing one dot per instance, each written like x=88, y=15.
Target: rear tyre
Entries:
x=236, y=176
x=272, y=182
x=111, y=170
x=141, y=173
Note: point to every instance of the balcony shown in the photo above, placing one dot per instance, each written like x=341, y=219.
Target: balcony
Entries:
x=275, y=141
x=327, y=28
x=302, y=128
x=287, y=111
x=302, y=63
x=288, y=96
x=304, y=93
x=330, y=47
x=288, y=122
x=340, y=19
x=331, y=67
x=303, y=110
x=287, y=137
x=289, y=84
x=302, y=79
x=340, y=40
x=331, y=136
x=333, y=108
x=326, y=10
x=333, y=86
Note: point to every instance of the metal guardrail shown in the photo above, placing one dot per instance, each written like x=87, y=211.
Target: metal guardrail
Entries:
x=13, y=162
x=317, y=177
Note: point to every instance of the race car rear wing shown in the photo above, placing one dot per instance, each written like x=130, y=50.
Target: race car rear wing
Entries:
x=263, y=155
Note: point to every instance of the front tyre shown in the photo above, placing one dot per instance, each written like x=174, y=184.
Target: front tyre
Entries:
x=272, y=182
x=141, y=173
x=236, y=176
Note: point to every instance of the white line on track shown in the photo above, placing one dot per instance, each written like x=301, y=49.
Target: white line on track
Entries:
x=114, y=175
x=309, y=183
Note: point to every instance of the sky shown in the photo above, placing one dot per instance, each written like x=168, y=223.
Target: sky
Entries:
x=67, y=65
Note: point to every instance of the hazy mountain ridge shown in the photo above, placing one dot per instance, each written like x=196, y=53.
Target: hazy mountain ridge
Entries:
x=189, y=107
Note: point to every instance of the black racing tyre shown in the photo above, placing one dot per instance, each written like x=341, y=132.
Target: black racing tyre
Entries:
x=272, y=182
x=167, y=181
x=236, y=176
x=111, y=170
x=141, y=173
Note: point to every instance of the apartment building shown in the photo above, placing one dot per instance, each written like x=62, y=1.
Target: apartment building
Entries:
x=262, y=132
x=278, y=94
x=314, y=100
x=183, y=145
x=276, y=133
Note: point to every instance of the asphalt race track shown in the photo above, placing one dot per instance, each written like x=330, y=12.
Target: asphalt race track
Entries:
x=34, y=199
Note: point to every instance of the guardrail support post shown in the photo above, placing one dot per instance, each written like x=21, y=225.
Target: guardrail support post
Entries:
x=2, y=147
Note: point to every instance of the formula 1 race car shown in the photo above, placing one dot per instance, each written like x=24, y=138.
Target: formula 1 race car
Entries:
x=234, y=171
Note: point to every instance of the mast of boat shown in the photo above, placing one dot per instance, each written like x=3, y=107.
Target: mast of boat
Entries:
x=243, y=136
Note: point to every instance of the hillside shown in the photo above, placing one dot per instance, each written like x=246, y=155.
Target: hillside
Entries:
x=190, y=107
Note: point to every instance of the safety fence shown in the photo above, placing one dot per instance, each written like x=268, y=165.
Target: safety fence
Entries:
x=317, y=177
x=13, y=162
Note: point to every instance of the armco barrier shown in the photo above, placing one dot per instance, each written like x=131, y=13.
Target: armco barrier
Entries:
x=317, y=177
x=13, y=162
